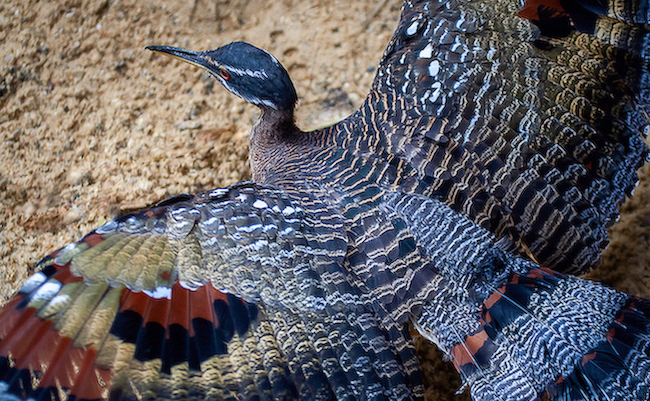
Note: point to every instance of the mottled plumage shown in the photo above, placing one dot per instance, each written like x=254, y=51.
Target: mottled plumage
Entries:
x=496, y=143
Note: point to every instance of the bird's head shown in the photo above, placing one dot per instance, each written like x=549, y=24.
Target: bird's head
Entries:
x=245, y=70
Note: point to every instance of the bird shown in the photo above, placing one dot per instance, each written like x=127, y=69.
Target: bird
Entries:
x=480, y=173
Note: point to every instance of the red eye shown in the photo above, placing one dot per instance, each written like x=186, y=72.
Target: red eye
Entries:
x=224, y=74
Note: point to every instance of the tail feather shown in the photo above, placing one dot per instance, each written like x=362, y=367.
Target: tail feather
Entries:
x=545, y=335
x=618, y=367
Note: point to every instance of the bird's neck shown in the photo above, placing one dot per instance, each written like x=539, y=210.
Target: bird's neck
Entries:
x=270, y=137
x=273, y=127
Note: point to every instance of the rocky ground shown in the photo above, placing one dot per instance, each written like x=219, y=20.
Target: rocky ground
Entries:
x=91, y=124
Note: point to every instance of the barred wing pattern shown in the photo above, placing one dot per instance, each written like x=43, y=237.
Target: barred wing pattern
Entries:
x=231, y=294
x=535, y=138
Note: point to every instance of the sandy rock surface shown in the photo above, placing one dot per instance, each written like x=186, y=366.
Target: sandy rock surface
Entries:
x=92, y=125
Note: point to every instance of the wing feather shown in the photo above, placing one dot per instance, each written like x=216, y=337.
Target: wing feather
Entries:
x=536, y=138
x=232, y=294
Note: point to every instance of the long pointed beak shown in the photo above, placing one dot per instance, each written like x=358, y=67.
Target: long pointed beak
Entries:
x=188, y=56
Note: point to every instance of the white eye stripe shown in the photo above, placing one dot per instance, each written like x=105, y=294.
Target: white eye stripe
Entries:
x=247, y=72
x=248, y=98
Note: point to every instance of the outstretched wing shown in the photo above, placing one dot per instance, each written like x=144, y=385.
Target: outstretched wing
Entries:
x=534, y=137
x=235, y=293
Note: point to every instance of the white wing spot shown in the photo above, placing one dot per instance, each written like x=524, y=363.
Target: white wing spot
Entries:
x=436, y=93
x=260, y=204
x=412, y=29
x=59, y=299
x=286, y=231
x=250, y=229
x=107, y=227
x=210, y=222
x=434, y=68
x=159, y=293
x=47, y=290
x=259, y=244
x=190, y=285
x=461, y=21
x=217, y=193
x=33, y=282
x=427, y=52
